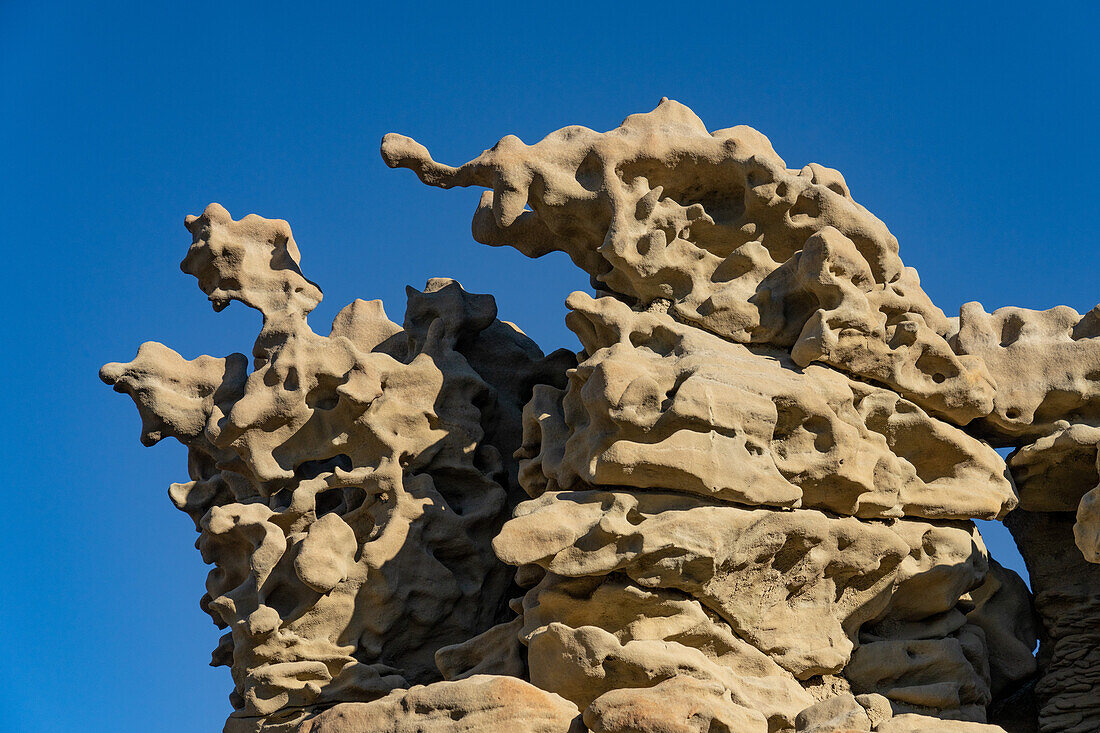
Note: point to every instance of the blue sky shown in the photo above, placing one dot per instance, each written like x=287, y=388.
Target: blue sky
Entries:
x=970, y=132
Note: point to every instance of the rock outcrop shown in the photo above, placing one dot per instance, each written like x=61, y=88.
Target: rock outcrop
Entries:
x=660, y=209
x=660, y=404
x=1067, y=598
x=746, y=505
x=346, y=490
x=479, y=703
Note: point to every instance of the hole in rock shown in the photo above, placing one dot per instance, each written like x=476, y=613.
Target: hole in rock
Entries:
x=329, y=501
x=313, y=469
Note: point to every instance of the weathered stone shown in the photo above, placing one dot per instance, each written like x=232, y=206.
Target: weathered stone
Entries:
x=480, y=704
x=1054, y=472
x=841, y=712
x=496, y=651
x=1045, y=365
x=658, y=404
x=677, y=705
x=1086, y=532
x=922, y=653
x=936, y=674
x=1001, y=608
x=365, y=469
x=589, y=635
x=1067, y=597
x=876, y=706
x=660, y=209
x=913, y=723
x=818, y=578
x=945, y=562
x=745, y=505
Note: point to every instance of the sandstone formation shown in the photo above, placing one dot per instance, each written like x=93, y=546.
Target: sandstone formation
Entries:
x=677, y=705
x=1046, y=365
x=480, y=703
x=1067, y=597
x=715, y=224
x=660, y=404
x=745, y=506
x=346, y=489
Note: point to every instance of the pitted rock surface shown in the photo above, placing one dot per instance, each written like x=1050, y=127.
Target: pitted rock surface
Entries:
x=745, y=505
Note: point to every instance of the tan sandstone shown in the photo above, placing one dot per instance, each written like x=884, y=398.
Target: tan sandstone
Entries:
x=744, y=506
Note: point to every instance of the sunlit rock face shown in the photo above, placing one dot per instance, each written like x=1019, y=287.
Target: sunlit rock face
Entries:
x=715, y=224
x=347, y=487
x=745, y=504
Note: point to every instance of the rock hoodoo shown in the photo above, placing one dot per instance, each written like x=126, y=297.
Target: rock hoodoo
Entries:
x=745, y=505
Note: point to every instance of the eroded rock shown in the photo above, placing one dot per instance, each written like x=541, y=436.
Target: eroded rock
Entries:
x=368, y=469
x=657, y=404
x=914, y=723
x=1067, y=598
x=477, y=704
x=589, y=635
x=738, y=244
x=745, y=505
x=817, y=579
x=1057, y=470
x=1045, y=364
x=841, y=712
x=1086, y=532
x=677, y=705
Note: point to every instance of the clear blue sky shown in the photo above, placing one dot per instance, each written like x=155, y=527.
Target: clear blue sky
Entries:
x=971, y=133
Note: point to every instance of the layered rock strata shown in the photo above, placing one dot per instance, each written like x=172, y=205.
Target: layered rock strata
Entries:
x=345, y=489
x=745, y=505
x=737, y=243
x=658, y=476
x=758, y=474
x=1046, y=366
x=1067, y=598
